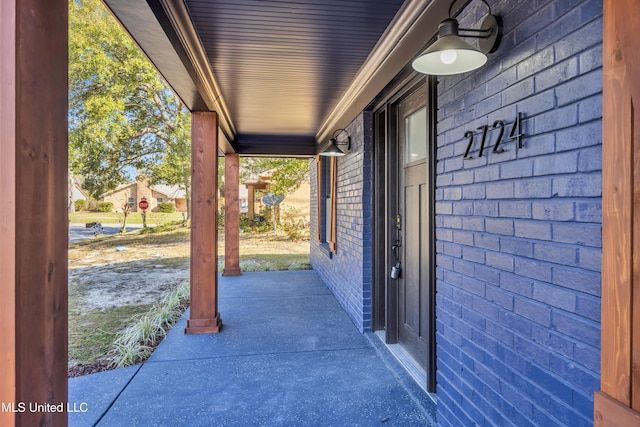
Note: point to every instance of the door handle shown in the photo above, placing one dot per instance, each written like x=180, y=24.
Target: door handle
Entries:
x=397, y=268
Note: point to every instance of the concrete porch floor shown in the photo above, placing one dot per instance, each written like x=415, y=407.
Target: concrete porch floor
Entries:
x=287, y=355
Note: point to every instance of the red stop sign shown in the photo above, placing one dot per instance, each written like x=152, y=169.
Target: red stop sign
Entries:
x=143, y=204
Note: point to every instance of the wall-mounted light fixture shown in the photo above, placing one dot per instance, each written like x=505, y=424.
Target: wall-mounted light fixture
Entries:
x=332, y=149
x=452, y=55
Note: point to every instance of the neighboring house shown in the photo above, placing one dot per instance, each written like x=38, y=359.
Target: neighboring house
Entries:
x=132, y=193
x=78, y=193
x=250, y=202
x=75, y=193
x=299, y=200
x=169, y=193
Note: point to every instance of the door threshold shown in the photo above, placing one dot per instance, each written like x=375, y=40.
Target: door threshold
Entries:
x=406, y=360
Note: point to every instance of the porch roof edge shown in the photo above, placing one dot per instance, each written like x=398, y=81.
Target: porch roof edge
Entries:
x=406, y=36
x=164, y=32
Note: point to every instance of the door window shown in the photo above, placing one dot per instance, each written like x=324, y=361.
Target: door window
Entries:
x=416, y=136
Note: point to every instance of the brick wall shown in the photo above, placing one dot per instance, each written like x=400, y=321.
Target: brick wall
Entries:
x=348, y=272
x=121, y=196
x=519, y=233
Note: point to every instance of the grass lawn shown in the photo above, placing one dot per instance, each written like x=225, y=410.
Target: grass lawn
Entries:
x=131, y=281
x=91, y=333
x=116, y=218
x=262, y=251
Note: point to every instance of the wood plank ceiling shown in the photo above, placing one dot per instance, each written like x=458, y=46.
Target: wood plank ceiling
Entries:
x=282, y=65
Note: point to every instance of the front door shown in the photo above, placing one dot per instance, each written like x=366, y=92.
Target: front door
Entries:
x=404, y=181
x=413, y=226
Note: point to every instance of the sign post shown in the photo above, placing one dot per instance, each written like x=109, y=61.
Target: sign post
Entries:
x=144, y=205
x=274, y=200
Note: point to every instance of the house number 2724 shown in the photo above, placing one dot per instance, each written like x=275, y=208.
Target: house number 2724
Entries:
x=514, y=134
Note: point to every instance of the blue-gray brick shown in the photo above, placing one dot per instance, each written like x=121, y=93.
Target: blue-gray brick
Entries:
x=533, y=188
x=532, y=269
x=500, y=190
x=559, y=254
x=590, y=160
x=348, y=272
x=499, y=226
x=516, y=169
x=578, y=186
x=589, y=211
x=556, y=210
x=555, y=296
x=557, y=74
x=579, y=88
x=518, y=246
x=555, y=164
x=577, y=234
x=587, y=135
x=590, y=109
x=535, y=230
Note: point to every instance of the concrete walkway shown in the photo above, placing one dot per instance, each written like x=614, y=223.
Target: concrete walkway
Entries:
x=288, y=355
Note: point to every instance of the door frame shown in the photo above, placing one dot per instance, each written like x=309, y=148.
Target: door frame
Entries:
x=385, y=175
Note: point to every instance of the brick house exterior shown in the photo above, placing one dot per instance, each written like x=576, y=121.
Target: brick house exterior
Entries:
x=134, y=192
x=348, y=271
x=517, y=234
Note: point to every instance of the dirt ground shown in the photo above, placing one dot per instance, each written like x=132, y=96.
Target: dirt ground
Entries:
x=126, y=271
x=136, y=269
x=114, y=279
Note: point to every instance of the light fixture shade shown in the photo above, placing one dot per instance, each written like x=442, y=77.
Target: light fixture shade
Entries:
x=332, y=150
x=449, y=55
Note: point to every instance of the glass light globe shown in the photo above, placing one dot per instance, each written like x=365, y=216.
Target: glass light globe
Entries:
x=448, y=56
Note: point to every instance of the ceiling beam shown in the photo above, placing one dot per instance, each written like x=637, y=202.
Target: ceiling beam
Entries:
x=275, y=145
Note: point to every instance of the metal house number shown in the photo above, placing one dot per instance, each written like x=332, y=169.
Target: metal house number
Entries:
x=514, y=134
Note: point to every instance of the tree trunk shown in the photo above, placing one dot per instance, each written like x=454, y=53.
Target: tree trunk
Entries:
x=126, y=210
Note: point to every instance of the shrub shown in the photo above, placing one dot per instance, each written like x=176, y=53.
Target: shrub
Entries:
x=80, y=205
x=105, y=206
x=136, y=343
x=166, y=207
x=93, y=206
x=259, y=222
x=297, y=228
x=245, y=222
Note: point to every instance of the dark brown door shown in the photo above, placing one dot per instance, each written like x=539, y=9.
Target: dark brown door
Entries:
x=413, y=223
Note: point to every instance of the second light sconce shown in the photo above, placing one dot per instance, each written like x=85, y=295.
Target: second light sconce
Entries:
x=333, y=149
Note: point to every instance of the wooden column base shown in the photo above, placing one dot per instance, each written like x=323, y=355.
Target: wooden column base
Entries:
x=608, y=412
x=232, y=272
x=203, y=326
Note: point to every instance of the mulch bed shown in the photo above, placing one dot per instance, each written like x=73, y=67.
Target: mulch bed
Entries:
x=91, y=368
x=103, y=364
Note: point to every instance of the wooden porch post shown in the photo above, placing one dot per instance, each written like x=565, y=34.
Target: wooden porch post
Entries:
x=204, y=317
x=251, y=212
x=33, y=210
x=231, y=215
x=617, y=403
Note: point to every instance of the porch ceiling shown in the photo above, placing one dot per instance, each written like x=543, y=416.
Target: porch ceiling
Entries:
x=282, y=65
x=274, y=70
